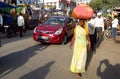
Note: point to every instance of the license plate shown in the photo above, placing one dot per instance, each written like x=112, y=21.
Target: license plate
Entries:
x=43, y=37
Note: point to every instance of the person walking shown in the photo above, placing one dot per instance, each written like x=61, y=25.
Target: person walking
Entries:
x=1, y=25
x=92, y=33
x=114, y=25
x=1, y=20
x=108, y=22
x=21, y=23
x=99, y=21
x=80, y=40
x=14, y=24
x=99, y=27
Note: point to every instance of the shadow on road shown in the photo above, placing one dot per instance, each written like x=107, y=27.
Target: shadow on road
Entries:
x=117, y=41
x=99, y=41
x=110, y=71
x=15, y=60
x=39, y=73
x=89, y=58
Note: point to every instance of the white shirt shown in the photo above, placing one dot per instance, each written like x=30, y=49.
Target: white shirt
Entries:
x=20, y=20
x=114, y=23
x=91, y=26
x=1, y=20
x=99, y=22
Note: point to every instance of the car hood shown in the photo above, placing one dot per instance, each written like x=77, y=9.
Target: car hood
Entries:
x=48, y=27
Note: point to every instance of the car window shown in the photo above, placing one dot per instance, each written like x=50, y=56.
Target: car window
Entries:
x=62, y=20
x=55, y=20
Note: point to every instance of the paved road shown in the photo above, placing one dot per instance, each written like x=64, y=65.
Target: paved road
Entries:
x=23, y=58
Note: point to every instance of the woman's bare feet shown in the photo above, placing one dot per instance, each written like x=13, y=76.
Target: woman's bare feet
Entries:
x=79, y=75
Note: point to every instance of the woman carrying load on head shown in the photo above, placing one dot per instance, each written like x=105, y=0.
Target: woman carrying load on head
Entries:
x=80, y=39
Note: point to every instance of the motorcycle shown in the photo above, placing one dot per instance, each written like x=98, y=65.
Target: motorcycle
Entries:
x=10, y=29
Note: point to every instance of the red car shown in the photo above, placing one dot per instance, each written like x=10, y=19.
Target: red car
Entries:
x=57, y=29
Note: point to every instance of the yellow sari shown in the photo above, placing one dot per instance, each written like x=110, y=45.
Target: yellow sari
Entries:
x=80, y=50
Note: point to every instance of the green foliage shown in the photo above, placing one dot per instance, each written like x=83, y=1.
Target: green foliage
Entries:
x=98, y=5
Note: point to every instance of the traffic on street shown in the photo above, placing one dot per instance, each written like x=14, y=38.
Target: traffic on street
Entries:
x=23, y=58
x=59, y=39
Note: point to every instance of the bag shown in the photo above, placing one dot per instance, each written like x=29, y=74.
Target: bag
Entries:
x=24, y=29
x=118, y=27
x=82, y=11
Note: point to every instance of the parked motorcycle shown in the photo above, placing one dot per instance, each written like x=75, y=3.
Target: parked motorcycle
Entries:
x=9, y=30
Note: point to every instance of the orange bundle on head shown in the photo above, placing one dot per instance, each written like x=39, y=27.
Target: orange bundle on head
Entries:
x=82, y=11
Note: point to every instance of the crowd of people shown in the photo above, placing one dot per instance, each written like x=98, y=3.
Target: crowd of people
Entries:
x=17, y=24
x=97, y=27
x=86, y=34
x=14, y=22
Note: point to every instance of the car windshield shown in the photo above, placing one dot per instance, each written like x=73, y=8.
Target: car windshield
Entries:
x=55, y=20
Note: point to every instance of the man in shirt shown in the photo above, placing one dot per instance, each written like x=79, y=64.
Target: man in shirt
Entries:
x=1, y=24
x=99, y=26
x=21, y=23
x=92, y=33
x=115, y=23
x=99, y=21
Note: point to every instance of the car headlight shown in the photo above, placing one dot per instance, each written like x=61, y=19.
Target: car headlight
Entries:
x=59, y=31
x=35, y=30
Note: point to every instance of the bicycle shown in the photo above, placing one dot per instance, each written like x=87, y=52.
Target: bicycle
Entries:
x=99, y=33
x=108, y=33
x=99, y=36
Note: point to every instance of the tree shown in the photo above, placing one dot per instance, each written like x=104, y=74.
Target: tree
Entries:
x=103, y=5
x=96, y=5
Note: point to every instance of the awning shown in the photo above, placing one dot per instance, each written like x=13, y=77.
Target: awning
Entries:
x=2, y=4
x=6, y=8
